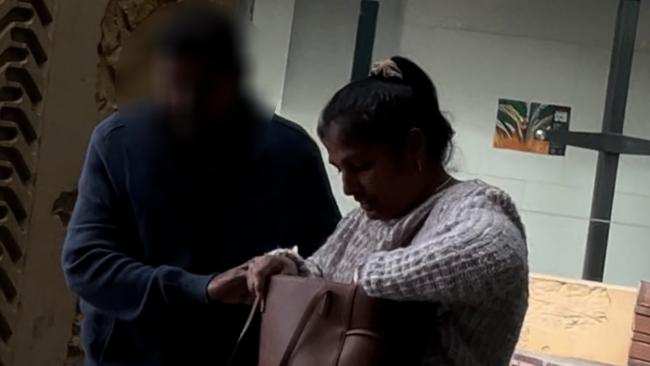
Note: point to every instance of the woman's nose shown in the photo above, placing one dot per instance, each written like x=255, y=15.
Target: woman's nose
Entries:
x=350, y=184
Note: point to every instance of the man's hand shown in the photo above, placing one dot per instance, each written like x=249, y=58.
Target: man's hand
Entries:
x=230, y=287
x=262, y=268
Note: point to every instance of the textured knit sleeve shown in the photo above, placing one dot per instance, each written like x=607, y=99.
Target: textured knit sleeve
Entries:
x=475, y=250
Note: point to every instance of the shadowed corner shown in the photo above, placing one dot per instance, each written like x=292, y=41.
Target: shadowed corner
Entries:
x=63, y=206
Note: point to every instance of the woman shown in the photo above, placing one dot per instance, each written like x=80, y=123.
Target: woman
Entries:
x=419, y=235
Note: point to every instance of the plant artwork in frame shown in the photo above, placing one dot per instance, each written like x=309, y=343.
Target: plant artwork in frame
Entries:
x=524, y=126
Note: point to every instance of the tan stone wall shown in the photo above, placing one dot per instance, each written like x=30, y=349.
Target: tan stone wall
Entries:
x=123, y=70
x=68, y=115
x=579, y=319
x=63, y=94
x=26, y=28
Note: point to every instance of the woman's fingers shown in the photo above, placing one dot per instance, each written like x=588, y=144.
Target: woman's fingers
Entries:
x=249, y=279
x=252, y=278
x=260, y=283
x=288, y=267
x=261, y=268
x=257, y=273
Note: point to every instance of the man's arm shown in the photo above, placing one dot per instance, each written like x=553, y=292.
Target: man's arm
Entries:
x=96, y=259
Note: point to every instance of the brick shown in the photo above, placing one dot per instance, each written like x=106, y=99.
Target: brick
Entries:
x=644, y=294
x=645, y=338
x=642, y=324
x=638, y=363
x=642, y=310
x=640, y=351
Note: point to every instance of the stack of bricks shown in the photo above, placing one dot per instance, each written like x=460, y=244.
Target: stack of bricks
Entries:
x=640, y=349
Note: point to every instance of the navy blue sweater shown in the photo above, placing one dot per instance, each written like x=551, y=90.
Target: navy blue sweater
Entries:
x=155, y=220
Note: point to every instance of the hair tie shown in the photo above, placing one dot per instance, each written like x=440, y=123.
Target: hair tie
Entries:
x=386, y=69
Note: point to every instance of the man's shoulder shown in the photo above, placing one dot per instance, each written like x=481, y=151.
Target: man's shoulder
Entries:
x=107, y=127
x=289, y=137
x=136, y=117
x=290, y=128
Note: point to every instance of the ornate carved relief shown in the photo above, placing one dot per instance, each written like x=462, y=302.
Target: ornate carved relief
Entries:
x=24, y=41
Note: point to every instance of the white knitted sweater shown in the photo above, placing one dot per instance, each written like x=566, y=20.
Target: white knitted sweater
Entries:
x=464, y=248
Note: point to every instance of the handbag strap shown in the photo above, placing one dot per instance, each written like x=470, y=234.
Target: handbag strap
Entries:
x=302, y=323
x=298, y=330
x=247, y=325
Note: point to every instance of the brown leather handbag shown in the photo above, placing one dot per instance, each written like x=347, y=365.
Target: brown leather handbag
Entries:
x=313, y=322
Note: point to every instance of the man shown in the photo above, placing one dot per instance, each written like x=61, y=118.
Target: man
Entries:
x=174, y=193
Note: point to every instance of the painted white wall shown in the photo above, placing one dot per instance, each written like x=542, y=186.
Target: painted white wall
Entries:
x=390, y=22
x=629, y=250
x=548, y=51
x=319, y=63
x=302, y=54
x=269, y=38
x=555, y=51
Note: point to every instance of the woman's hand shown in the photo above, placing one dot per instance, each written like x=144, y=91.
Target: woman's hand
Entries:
x=262, y=268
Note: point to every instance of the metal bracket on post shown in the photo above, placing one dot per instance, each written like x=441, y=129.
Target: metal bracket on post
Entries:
x=608, y=142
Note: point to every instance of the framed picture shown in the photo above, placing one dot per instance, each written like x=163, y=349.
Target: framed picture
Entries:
x=525, y=126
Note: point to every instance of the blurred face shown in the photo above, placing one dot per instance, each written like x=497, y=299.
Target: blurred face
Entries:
x=193, y=95
x=385, y=183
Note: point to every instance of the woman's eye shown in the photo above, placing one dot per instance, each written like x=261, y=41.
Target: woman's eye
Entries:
x=362, y=167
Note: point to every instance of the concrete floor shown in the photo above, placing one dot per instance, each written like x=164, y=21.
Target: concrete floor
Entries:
x=528, y=359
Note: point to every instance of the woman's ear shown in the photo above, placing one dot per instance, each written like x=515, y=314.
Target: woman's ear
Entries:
x=415, y=148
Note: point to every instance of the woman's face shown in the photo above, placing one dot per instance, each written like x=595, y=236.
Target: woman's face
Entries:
x=385, y=183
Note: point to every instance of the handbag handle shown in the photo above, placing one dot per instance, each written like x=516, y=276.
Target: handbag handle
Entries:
x=247, y=325
x=300, y=327
x=302, y=323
